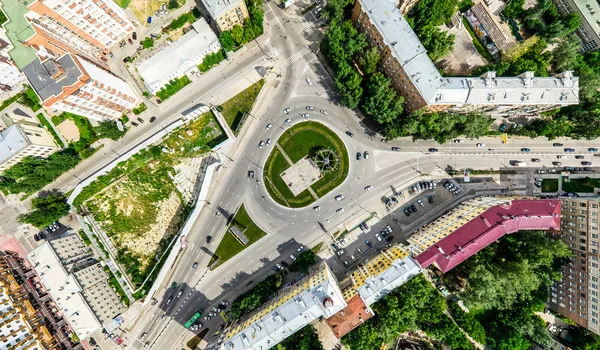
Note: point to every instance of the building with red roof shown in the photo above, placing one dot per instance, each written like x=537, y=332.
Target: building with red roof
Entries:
x=350, y=317
x=506, y=218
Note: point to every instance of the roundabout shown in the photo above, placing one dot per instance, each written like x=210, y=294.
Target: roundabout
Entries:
x=308, y=161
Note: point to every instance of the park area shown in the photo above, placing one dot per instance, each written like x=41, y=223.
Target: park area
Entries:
x=310, y=139
x=229, y=245
x=585, y=185
x=138, y=203
x=550, y=185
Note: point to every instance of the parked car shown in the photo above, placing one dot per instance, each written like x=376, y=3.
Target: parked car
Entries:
x=134, y=124
x=592, y=149
x=152, y=119
x=339, y=197
x=195, y=265
x=525, y=150
x=397, y=149
x=366, y=155
x=433, y=150
x=349, y=133
x=569, y=150
x=268, y=126
x=287, y=111
x=358, y=155
x=134, y=35
x=586, y=163
x=261, y=144
x=556, y=144
x=293, y=257
x=310, y=108
x=368, y=243
x=339, y=211
x=180, y=293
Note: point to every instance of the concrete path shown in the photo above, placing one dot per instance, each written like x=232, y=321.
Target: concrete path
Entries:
x=310, y=190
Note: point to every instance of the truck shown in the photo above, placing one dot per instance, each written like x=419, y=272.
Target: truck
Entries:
x=520, y=163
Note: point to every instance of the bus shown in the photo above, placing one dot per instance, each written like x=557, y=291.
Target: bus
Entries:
x=193, y=319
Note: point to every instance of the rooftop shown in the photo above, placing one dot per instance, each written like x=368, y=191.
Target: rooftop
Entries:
x=64, y=289
x=489, y=89
x=12, y=141
x=48, y=78
x=217, y=7
x=487, y=227
x=315, y=296
x=590, y=11
x=176, y=58
x=18, y=30
x=350, y=317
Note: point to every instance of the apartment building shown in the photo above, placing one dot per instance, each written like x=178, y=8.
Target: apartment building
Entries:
x=20, y=136
x=11, y=79
x=226, y=13
x=72, y=84
x=89, y=28
x=413, y=75
x=312, y=297
x=589, y=13
x=576, y=295
x=77, y=282
x=26, y=320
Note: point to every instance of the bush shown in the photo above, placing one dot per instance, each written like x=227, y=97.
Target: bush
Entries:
x=147, y=43
x=30, y=99
x=304, y=261
x=139, y=109
x=182, y=20
x=211, y=60
x=173, y=87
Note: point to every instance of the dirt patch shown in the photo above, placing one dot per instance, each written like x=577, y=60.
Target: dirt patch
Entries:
x=69, y=130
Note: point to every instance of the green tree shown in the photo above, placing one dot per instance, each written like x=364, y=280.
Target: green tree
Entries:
x=109, y=130
x=349, y=82
x=368, y=60
x=381, y=101
x=474, y=125
x=173, y=4
x=565, y=55
x=437, y=42
x=304, y=339
x=147, y=43
x=46, y=210
x=467, y=322
x=237, y=34
x=226, y=40
x=584, y=339
x=304, y=261
x=514, y=9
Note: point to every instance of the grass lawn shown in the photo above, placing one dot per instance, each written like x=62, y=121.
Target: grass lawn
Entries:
x=549, y=185
x=297, y=142
x=230, y=246
x=234, y=109
x=585, y=185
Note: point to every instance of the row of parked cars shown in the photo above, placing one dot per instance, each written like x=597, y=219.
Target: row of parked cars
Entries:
x=424, y=185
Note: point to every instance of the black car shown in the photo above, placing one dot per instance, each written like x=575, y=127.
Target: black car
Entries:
x=154, y=301
x=535, y=160
x=140, y=120
x=433, y=150
x=208, y=239
x=587, y=169
x=569, y=150
x=389, y=238
x=406, y=212
x=557, y=144
x=413, y=208
x=430, y=199
x=134, y=124
x=36, y=237
x=358, y=155
x=152, y=119
x=579, y=157
x=284, y=264
x=397, y=149
x=586, y=163
x=134, y=35
x=349, y=133
x=368, y=243
x=92, y=341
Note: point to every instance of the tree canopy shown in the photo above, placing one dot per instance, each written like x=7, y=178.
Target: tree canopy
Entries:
x=46, y=209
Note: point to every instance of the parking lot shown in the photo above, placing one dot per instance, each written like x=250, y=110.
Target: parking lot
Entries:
x=397, y=225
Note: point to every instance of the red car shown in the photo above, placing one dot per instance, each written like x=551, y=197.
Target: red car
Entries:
x=103, y=59
x=130, y=41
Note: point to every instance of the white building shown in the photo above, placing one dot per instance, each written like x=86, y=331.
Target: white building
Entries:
x=21, y=136
x=180, y=57
x=11, y=79
x=315, y=296
x=74, y=85
x=64, y=289
x=589, y=13
x=226, y=13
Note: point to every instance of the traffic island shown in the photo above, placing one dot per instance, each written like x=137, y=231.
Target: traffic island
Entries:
x=242, y=233
x=308, y=161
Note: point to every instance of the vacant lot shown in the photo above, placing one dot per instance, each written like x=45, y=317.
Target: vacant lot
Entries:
x=234, y=109
x=301, y=140
x=147, y=8
x=138, y=205
x=230, y=246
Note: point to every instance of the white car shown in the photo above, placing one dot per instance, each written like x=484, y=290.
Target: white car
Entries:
x=481, y=145
x=378, y=237
x=339, y=197
x=339, y=211
x=368, y=188
x=261, y=144
x=268, y=126
x=300, y=248
x=287, y=121
x=458, y=141
x=317, y=208
x=561, y=156
x=287, y=111
x=305, y=115
x=309, y=108
x=268, y=143
x=323, y=112
x=308, y=81
x=293, y=257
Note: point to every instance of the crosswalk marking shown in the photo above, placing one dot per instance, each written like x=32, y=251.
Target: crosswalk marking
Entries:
x=275, y=21
x=295, y=57
x=2, y=205
x=21, y=231
x=21, y=209
x=309, y=27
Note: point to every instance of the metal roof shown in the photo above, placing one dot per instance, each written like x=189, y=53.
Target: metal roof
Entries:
x=40, y=74
x=217, y=7
x=18, y=30
x=488, y=89
x=12, y=141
